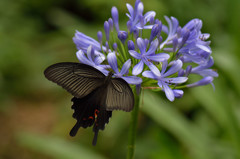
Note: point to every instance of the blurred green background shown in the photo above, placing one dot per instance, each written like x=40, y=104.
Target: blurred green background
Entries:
x=35, y=114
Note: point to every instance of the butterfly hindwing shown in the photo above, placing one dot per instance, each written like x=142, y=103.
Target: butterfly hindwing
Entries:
x=119, y=95
x=88, y=111
x=95, y=95
x=78, y=79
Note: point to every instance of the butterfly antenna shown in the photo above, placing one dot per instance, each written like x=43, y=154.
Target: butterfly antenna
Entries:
x=94, y=142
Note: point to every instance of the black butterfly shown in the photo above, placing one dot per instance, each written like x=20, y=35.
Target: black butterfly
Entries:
x=95, y=95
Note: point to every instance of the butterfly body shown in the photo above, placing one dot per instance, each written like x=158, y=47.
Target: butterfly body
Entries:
x=95, y=95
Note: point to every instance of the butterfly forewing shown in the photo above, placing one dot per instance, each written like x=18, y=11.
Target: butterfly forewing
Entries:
x=119, y=95
x=78, y=79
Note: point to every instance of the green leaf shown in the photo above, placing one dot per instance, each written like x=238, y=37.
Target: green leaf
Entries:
x=56, y=147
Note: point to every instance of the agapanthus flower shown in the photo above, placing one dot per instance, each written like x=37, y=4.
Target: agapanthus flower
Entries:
x=142, y=59
x=136, y=18
x=112, y=60
x=164, y=81
x=92, y=59
x=146, y=57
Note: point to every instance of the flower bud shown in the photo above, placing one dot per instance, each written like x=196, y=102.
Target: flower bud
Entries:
x=114, y=12
x=122, y=35
x=115, y=47
x=131, y=45
x=110, y=22
x=178, y=93
x=154, y=32
x=188, y=70
x=99, y=36
x=106, y=29
x=203, y=81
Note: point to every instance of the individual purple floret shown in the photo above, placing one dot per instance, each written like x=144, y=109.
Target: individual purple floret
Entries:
x=164, y=82
x=112, y=60
x=146, y=57
x=92, y=59
x=136, y=17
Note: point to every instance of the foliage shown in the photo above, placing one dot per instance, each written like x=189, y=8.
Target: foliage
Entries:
x=202, y=125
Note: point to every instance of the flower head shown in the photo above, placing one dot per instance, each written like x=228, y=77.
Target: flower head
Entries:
x=142, y=59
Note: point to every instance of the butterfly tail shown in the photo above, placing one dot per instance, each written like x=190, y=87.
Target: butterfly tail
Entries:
x=74, y=130
x=94, y=142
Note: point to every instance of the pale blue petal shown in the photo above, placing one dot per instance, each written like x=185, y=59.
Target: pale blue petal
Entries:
x=139, y=9
x=137, y=69
x=202, y=82
x=99, y=59
x=153, y=47
x=175, y=68
x=148, y=15
x=154, y=69
x=112, y=61
x=129, y=16
x=206, y=72
x=146, y=27
x=82, y=58
x=168, y=92
x=130, y=9
x=90, y=53
x=158, y=57
x=175, y=80
x=133, y=80
x=164, y=66
x=134, y=54
x=141, y=45
x=204, y=48
x=102, y=69
x=125, y=67
x=149, y=74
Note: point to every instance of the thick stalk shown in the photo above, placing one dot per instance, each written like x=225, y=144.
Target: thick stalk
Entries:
x=133, y=128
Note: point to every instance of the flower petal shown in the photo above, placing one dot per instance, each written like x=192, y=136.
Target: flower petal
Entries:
x=158, y=57
x=164, y=66
x=133, y=80
x=146, y=27
x=153, y=47
x=141, y=45
x=148, y=15
x=175, y=68
x=130, y=9
x=82, y=58
x=175, y=80
x=149, y=74
x=168, y=92
x=112, y=60
x=134, y=54
x=90, y=53
x=99, y=59
x=125, y=67
x=137, y=69
x=202, y=82
x=207, y=72
x=154, y=69
x=83, y=41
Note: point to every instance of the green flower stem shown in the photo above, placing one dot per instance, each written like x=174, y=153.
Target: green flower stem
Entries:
x=133, y=128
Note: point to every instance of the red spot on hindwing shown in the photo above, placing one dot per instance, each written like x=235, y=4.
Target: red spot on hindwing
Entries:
x=96, y=113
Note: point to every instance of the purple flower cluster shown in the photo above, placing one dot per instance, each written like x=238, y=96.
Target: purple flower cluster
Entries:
x=150, y=60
